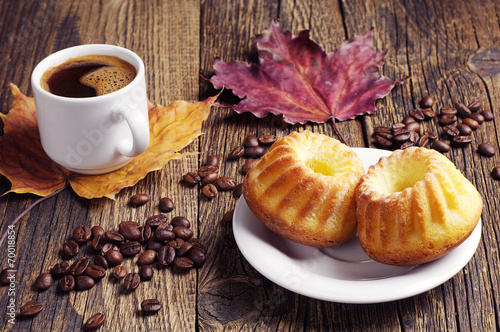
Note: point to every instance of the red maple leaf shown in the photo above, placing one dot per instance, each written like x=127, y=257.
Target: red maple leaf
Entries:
x=295, y=77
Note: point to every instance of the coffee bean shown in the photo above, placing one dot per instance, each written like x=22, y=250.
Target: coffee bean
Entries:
x=67, y=283
x=448, y=110
x=138, y=200
x=43, y=282
x=426, y=102
x=79, y=266
x=451, y=130
x=114, y=257
x=382, y=129
x=198, y=243
x=115, y=237
x=238, y=190
x=210, y=178
x=389, y=136
x=98, y=242
x=163, y=235
x=30, y=309
x=146, y=272
x=254, y=152
x=70, y=248
x=478, y=117
x=401, y=137
x=462, y=110
x=248, y=166
x=96, y=272
x=97, y=230
x=464, y=129
x=166, y=204
x=258, y=280
x=119, y=272
x=166, y=255
x=495, y=173
x=487, y=115
x=473, y=124
x=60, y=269
x=408, y=119
x=475, y=106
x=147, y=257
x=418, y=115
x=406, y=145
x=176, y=244
x=183, y=263
x=183, y=232
x=107, y=247
x=197, y=256
x=129, y=231
x=461, y=141
x=184, y=248
x=486, y=150
x=131, y=281
x=145, y=234
x=101, y=261
x=413, y=126
x=447, y=119
x=440, y=146
x=225, y=183
x=267, y=139
x=82, y=234
x=228, y=217
x=423, y=141
x=250, y=141
x=432, y=135
x=209, y=169
x=236, y=153
x=191, y=178
x=153, y=245
x=212, y=160
x=84, y=283
x=95, y=321
x=414, y=136
x=209, y=191
x=151, y=306
x=157, y=220
x=383, y=142
x=180, y=221
x=131, y=248
x=428, y=113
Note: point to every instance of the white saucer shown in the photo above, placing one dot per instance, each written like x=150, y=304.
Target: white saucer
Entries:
x=345, y=273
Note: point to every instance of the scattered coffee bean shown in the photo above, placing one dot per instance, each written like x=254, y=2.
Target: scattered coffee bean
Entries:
x=209, y=191
x=183, y=232
x=107, y=247
x=495, y=173
x=131, y=281
x=250, y=141
x=97, y=230
x=464, y=129
x=238, y=190
x=180, y=221
x=96, y=272
x=130, y=248
x=440, y=146
x=401, y=136
x=451, y=130
x=95, y=321
x=236, y=153
x=163, y=235
x=166, y=204
x=408, y=119
x=429, y=113
x=82, y=234
x=448, y=110
x=43, y=282
x=176, y=244
x=383, y=142
x=154, y=245
x=183, y=263
x=30, y=309
x=406, y=145
x=114, y=257
x=206, y=170
x=79, y=266
x=84, y=283
x=461, y=141
x=98, y=242
x=248, y=166
x=413, y=126
x=198, y=243
x=138, y=200
x=486, y=150
x=60, y=269
x=146, y=272
x=487, y=115
x=426, y=102
x=101, y=261
x=147, y=257
x=418, y=115
x=157, y=220
x=473, y=124
x=70, y=248
x=212, y=160
x=184, y=248
x=151, y=306
x=227, y=218
x=191, y=178
x=210, y=178
x=254, y=152
x=267, y=139
x=475, y=106
x=145, y=233
x=382, y=129
x=130, y=232
x=432, y=135
x=166, y=255
x=447, y=119
x=67, y=283
x=478, y=117
x=462, y=110
x=119, y=272
x=423, y=141
x=197, y=255
x=115, y=237
x=225, y=183
x=258, y=280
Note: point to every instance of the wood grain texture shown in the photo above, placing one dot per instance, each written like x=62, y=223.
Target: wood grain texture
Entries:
x=431, y=41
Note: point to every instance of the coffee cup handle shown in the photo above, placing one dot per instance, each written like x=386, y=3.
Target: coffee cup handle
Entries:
x=140, y=137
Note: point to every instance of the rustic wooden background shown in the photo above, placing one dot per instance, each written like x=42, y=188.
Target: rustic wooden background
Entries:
x=430, y=40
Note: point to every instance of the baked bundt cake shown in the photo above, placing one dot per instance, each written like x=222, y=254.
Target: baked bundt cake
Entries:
x=303, y=189
x=414, y=206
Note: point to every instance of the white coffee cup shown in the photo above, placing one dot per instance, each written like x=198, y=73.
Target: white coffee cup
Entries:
x=93, y=135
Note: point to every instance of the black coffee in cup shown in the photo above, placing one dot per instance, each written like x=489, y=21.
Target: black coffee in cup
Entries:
x=88, y=76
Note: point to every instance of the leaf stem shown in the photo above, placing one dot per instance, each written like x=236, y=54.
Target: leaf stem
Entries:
x=336, y=132
x=38, y=201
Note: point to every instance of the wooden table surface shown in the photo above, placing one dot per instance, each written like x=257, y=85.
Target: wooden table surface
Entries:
x=430, y=40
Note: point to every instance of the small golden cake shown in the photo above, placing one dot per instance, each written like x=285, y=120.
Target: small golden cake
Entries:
x=303, y=189
x=414, y=206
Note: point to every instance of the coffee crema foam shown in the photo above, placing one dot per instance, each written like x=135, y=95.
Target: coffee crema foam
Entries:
x=106, y=73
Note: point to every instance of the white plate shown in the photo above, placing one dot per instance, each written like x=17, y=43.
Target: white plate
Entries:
x=343, y=274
